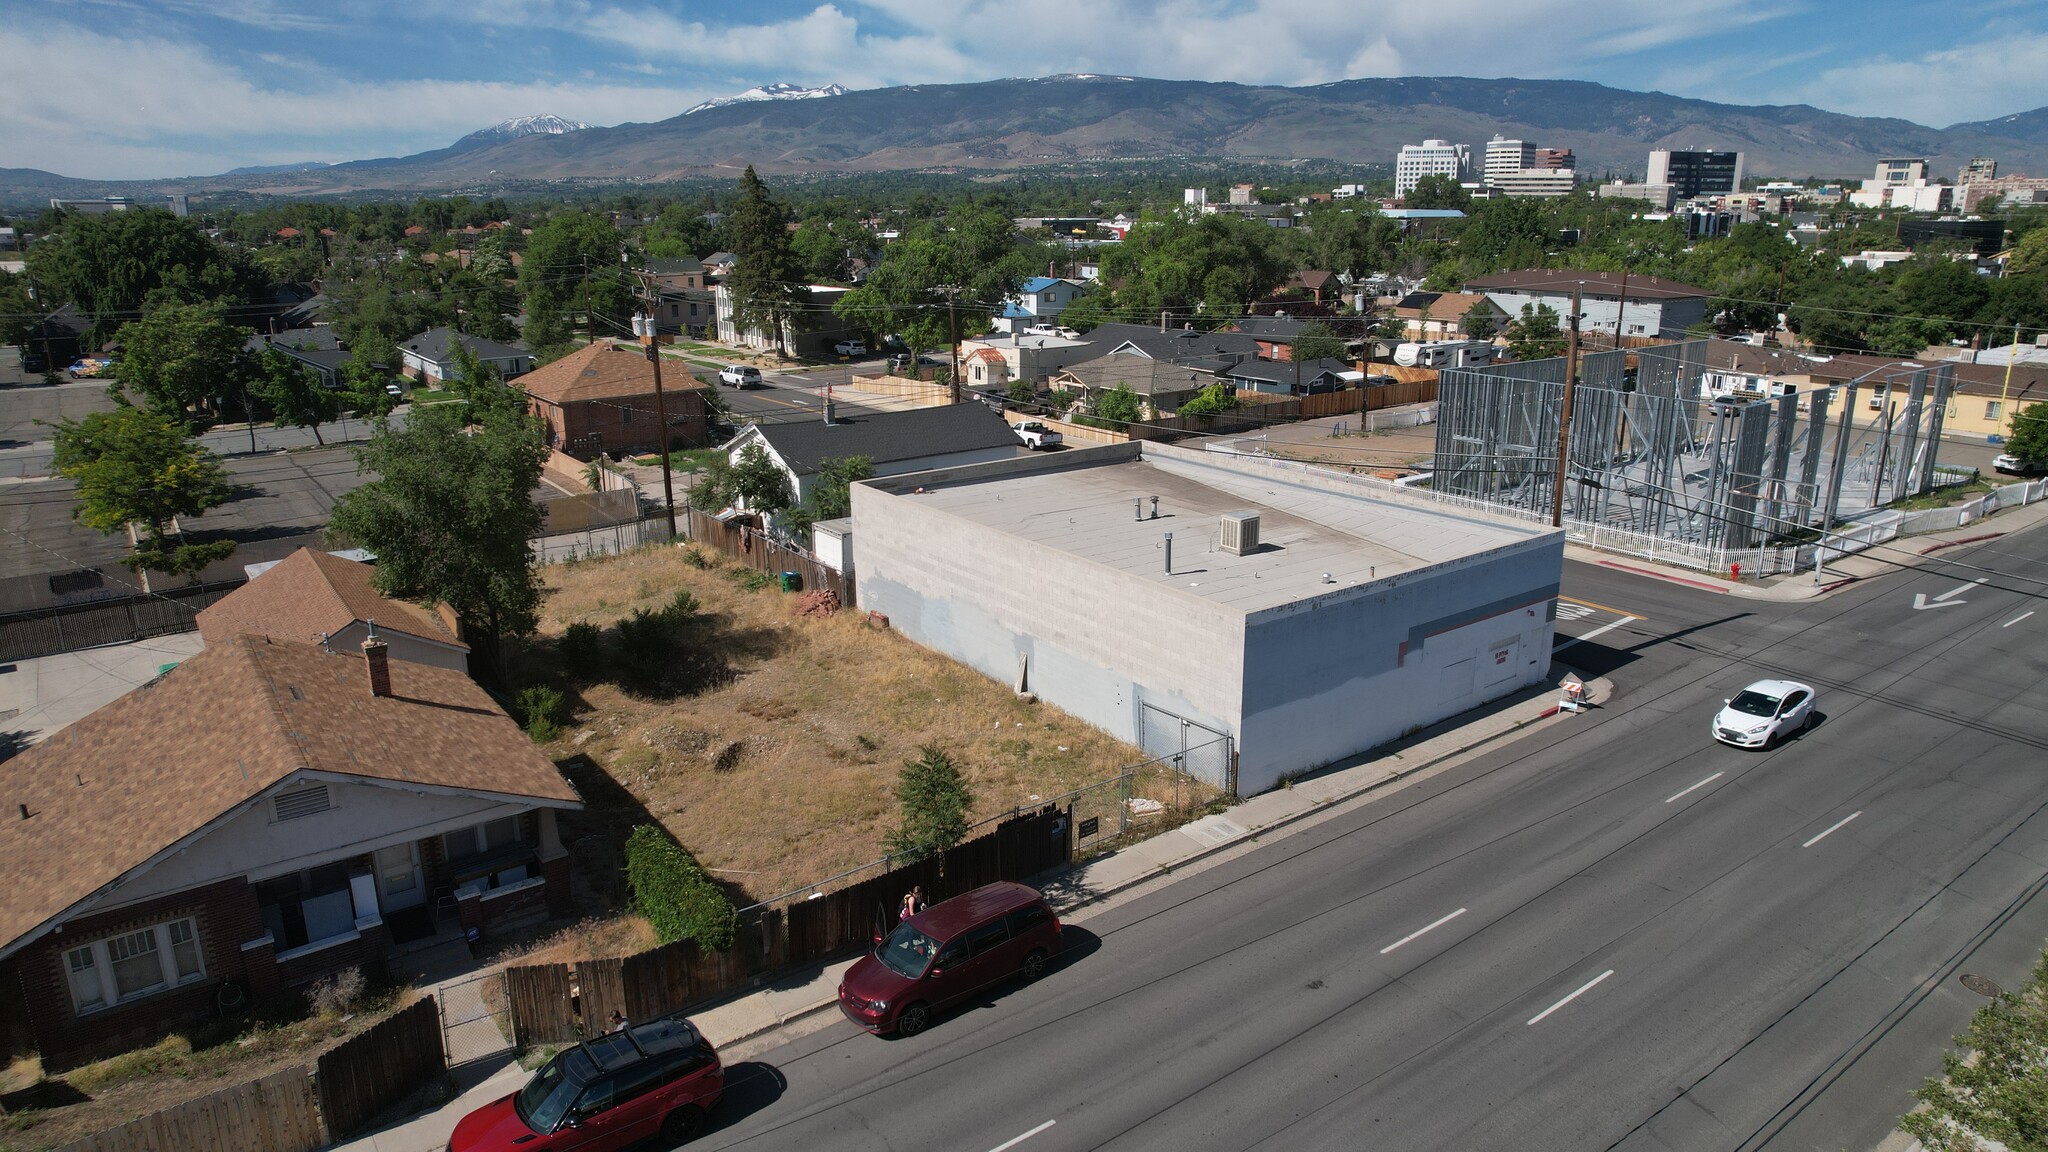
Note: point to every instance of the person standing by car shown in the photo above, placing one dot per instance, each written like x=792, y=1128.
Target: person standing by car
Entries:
x=913, y=902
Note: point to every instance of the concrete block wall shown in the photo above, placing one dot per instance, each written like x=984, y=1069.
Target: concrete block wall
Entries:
x=1095, y=640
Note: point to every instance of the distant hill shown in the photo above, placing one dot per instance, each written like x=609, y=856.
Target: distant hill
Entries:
x=770, y=92
x=266, y=169
x=2029, y=126
x=1004, y=124
x=513, y=129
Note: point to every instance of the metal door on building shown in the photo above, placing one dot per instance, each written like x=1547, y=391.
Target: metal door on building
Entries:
x=1196, y=749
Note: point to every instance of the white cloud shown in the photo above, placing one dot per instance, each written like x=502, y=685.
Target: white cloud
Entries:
x=1993, y=77
x=158, y=107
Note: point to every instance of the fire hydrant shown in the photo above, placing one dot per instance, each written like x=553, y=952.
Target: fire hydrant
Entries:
x=1735, y=572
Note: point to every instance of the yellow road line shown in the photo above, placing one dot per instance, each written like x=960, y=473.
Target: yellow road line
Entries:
x=1602, y=607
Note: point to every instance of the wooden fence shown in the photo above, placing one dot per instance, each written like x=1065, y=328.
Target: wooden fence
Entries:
x=278, y=1113
x=763, y=553
x=369, y=1072
x=550, y=1005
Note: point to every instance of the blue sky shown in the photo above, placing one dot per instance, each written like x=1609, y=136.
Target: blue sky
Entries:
x=150, y=88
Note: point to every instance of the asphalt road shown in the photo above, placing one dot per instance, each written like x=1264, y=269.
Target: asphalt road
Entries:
x=1612, y=934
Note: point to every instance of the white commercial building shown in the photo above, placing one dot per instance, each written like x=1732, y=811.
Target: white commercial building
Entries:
x=1506, y=157
x=1260, y=619
x=1535, y=182
x=1430, y=158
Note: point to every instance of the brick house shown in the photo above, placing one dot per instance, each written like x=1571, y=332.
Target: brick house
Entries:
x=259, y=816
x=600, y=399
x=314, y=597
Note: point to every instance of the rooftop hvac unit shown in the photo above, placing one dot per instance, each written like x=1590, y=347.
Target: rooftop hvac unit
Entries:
x=1240, y=533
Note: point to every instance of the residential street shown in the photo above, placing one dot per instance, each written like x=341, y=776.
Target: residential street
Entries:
x=1613, y=934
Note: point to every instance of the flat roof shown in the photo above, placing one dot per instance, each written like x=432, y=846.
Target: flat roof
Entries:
x=1310, y=523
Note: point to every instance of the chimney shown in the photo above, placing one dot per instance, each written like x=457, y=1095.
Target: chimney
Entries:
x=377, y=655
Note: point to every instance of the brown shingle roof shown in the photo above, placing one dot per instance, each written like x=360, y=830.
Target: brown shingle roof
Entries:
x=311, y=594
x=149, y=770
x=1449, y=306
x=601, y=371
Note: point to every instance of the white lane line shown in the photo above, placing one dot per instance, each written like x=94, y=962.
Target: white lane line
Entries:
x=1697, y=787
x=1832, y=827
x=1419, y=931
x=2016, y=619
x=1016, y=1140
x=1603, y=630
x=1583, y=989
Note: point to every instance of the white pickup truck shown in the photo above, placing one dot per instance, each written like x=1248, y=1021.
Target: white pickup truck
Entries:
x=1036, y=435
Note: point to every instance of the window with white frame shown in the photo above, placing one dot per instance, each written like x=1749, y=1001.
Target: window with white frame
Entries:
x=134, y=964
x=1993, y=409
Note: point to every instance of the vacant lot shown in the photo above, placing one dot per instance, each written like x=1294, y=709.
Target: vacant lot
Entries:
x=768, y=743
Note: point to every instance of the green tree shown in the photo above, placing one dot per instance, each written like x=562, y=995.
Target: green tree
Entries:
x=764, y=282
x=450, y=514
x=19, y=310
x=1213, y=400
x=110, y=264
x=2029, y=436
x=1535, y=335
x=1478, y=321
x=1195, y=269
x=134, y=467
x=2031, y=253
x=831, y=492
x=822, y=255
x=291, y=392
x=1318, y=341
x=573, y=256
x=1120, y=405
x=1438, y=191
x=371, y=366
x=182, y=357
x=972, y=250
x=753, y=480
x=935, y=799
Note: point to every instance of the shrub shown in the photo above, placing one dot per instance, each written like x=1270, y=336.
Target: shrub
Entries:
x=582, y=649
x=675, y=893
x=542, y=708
x=695, y=557
x=682, y=607
x=338, y=994
x=935, y=799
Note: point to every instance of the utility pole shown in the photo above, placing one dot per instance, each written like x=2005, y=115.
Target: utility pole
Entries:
x=653, y=298
x=2004, y=390
x=953, y=330
x=1564, y=416
x=589, y=318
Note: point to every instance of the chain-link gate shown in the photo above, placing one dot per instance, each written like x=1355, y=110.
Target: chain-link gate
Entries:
x=476, y=1017
x=1195, y=749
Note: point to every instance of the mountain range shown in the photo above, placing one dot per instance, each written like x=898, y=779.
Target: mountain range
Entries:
x=1080, y=119
x=770, y=92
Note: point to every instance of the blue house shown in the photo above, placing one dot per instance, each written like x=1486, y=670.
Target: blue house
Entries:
x=1040, y=301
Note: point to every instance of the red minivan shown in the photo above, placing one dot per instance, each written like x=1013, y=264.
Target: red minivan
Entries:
x=608, y=1092
x=947, y=953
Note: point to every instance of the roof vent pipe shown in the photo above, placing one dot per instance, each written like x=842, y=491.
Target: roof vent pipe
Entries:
x=1155, y=507
x=1137, y=507
x=1169, y=553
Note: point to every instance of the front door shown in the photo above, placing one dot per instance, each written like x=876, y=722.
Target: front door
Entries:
x=399, y=883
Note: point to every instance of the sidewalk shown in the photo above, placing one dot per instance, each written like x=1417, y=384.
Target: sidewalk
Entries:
x=1887, y=557
x=1077, y=890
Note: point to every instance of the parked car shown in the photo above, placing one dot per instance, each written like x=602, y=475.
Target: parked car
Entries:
x=1763, y=713
x=2012, y=465
x=850, y=348
x=611, y=1091
x=34, y=362
x=899, y=362
x=947, y=953
x=740, y=376
x=1036, y=435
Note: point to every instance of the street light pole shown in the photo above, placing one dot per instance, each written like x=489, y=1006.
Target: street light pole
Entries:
x=1564, y=416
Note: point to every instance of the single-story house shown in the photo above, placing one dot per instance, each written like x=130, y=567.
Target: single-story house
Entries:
x=1288, y=378
x=993, y=361
x=314, y=597
x=1164, y=385
x=911, y=440
x=430, y=356
x=261, y=815
x=1208, y=351
x=600, y=399
x=320, y=350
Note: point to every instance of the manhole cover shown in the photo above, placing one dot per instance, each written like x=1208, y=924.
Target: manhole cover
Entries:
x=1981, y=985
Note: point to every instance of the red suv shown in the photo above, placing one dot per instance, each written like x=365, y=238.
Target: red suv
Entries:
x=608, y=1092
x=947, y=953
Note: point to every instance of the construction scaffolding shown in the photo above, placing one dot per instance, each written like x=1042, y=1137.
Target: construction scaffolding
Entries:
x=1661, y=466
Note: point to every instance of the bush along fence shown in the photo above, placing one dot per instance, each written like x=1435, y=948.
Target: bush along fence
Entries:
x=756, y=549
x=295, y=1110
x=560, y=1003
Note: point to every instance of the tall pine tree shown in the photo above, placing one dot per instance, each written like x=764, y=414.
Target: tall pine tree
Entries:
x=764, y=281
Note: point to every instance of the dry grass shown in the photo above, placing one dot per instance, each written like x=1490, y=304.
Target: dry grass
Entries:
x=774, y=760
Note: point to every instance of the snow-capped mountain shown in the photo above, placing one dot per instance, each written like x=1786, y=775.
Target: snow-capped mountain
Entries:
x=771, y=92
x=520, y=126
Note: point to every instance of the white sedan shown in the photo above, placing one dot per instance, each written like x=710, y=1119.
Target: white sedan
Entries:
x=1763, y=713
